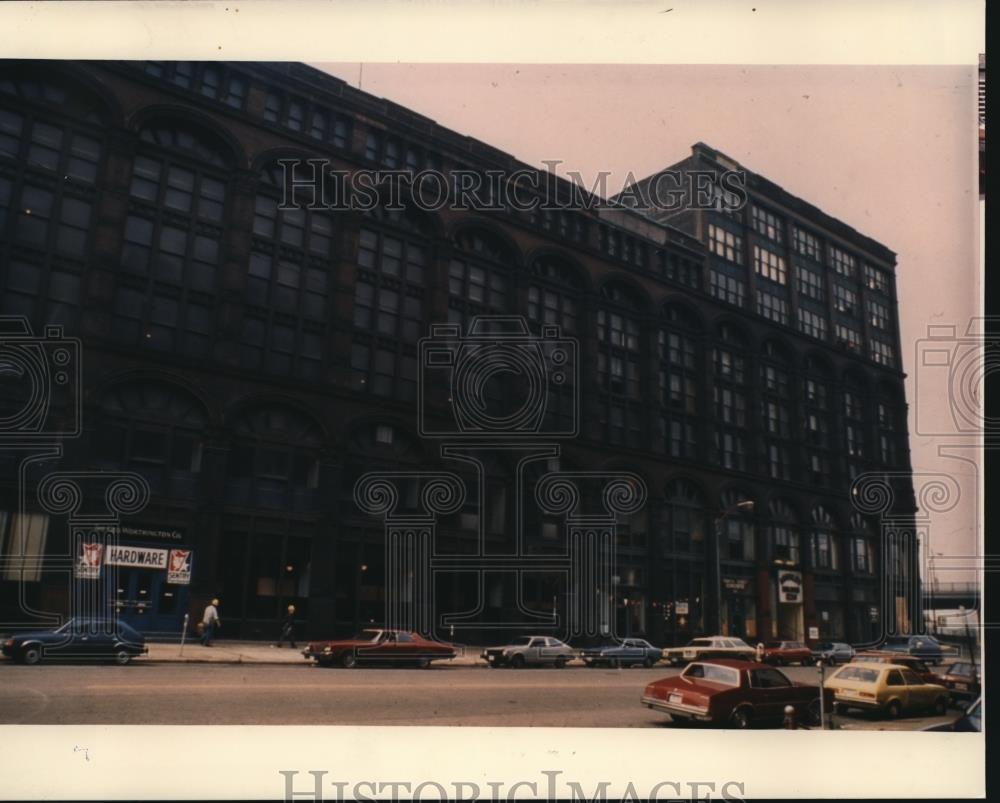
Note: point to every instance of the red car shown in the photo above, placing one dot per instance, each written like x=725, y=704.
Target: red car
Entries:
x=927, y=675
x=782, y=653
x=734, y=694
x=372, y=646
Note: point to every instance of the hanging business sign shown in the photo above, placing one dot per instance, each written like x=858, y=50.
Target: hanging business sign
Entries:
x=137, y=557
x=179, y=567
x=790, y=587
x=681, y=608
x=88, y=561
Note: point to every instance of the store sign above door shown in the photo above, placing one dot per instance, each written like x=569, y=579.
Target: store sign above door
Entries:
x=790, y=587
x=136, y=556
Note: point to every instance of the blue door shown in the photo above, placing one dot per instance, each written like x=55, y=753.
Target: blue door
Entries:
x=147, y=602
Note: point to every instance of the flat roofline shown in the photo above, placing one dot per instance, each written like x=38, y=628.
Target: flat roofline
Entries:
x=799, y=205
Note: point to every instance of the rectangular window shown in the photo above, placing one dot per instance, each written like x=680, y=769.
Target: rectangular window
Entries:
x=766, y=223
x=769, y=265
x=876, y=279
x=812, y=324
x=878, y=314
x=842, y=262
x=725, y=244
x=848, y=337
x=772, y=307
x=727, y=288
x=883, y=353
x=845, y=301
x=806, y=244
x=810, y=283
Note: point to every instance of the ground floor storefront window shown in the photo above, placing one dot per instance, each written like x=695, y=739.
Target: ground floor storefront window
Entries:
x=738, y=613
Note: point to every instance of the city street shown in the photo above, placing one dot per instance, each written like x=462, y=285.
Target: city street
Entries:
x=300, y=694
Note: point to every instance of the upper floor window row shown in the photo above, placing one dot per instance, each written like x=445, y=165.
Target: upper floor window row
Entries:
x=767, y=224
x=211, y=79
x=313, y=120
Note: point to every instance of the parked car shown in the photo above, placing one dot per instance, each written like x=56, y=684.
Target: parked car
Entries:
x=706, y=647
x=732, y=693
x=530, y=651
x=623, y=652
x=782, y=653
x=79, y=639
x=918, y=665
x=963, y=680
x=888, y=688
x=969, y=722
x=832, y=652
x=379, y=646
x=926, y=647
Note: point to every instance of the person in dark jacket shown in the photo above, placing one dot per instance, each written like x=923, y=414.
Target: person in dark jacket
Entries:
x=288, y=628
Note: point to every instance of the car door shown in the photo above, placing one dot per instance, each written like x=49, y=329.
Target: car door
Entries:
x=538, y=651
x=919, y=694
x=897, y=686
x=770, y=690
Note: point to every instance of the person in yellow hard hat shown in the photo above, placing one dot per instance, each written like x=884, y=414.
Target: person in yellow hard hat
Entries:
x=210, y=621
x=288, y=628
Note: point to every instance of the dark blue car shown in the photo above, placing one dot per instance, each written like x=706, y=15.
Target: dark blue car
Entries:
x=77, y=640
x=926, y=647
x=624, y=652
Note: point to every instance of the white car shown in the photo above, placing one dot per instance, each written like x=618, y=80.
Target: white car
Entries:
x=530, y=650
x=700, y=649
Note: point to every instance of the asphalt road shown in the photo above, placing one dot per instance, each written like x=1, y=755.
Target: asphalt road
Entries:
x=226, y=694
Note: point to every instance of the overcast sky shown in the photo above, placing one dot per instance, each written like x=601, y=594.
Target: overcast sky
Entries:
x=888, y=150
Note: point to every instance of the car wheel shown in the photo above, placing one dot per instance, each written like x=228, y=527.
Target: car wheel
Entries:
x=348, y=660
x=560, y=663
x=839, y=708
x=940, y=706
x=616, y=663
x=648, y=663
x=740, y=719
x=893, y=710
x=813, y=714
x=31, y=655
x=517, y=662
x=122, y=657
x=423, y=663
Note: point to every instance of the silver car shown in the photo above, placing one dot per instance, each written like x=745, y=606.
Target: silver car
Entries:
x=833, y=652
x=530, y=651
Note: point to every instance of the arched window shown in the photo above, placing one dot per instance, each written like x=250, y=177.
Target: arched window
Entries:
x=478, y=276
x=823, y=541
x=783, y=533
x=730, y=397
x=173, y=238
x=51, y=158
x=290, y=277
x=393, y=255
x=682, y=527
x=817, y=416
x=679, y=347
x=776, y=410
x=737, y=516
x=619, y=354
x=855, y=424
x=156, y=429
x=863, y=545
x=274, y=459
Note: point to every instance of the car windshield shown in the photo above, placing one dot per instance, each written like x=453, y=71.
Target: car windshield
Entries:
x=369, y=635
x=520, y=641
x=700, y=642
x=717, y=674
x=858, y=673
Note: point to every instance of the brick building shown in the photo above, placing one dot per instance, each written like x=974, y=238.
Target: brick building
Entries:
x=252, y=363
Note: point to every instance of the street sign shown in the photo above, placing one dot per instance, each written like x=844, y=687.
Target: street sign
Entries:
x=814, y=633
x=873, y=613
x=681, y=608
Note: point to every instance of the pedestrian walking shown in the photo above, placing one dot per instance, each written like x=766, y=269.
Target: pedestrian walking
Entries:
x=288, y=628
x=209, y=622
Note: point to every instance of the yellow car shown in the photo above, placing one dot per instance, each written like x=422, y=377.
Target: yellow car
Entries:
x=889, y=688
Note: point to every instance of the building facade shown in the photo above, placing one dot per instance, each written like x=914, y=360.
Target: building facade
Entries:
x=253, y=362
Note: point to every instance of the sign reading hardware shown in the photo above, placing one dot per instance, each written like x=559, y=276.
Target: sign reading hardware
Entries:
x=136, y=556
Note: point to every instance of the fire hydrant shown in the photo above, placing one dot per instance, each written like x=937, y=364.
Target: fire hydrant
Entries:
x=790, y=718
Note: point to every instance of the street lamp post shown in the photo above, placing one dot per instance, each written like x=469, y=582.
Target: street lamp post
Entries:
x=747, y=505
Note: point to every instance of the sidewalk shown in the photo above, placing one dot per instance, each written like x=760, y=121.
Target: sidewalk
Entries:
x=255, y=652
